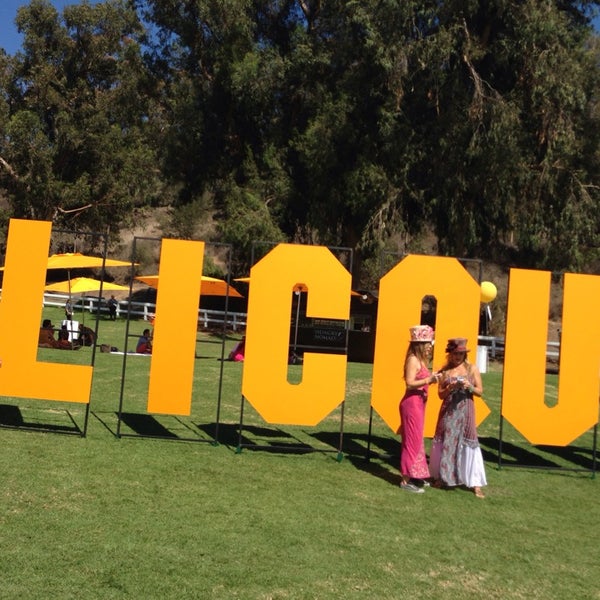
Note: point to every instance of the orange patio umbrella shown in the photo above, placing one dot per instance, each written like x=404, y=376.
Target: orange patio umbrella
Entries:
x=209, y=286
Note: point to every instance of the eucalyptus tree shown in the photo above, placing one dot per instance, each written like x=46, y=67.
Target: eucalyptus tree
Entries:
x=76, y=137
x=219, y=78
x=350, y=123
x=473, y=119
x=282, y=109
x=512, y=142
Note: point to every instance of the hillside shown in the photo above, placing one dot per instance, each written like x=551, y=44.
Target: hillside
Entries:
x=150, y=228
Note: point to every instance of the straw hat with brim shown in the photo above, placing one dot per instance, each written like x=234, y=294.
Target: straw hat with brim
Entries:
x=457, y=345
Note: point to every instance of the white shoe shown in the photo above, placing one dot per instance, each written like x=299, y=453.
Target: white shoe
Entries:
x=411, y=487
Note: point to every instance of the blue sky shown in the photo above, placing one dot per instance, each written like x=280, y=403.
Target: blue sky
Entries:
x=10, y=40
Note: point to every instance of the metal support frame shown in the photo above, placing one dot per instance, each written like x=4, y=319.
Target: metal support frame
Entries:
x=240, y=445
x=370, y=431
x=215, y=439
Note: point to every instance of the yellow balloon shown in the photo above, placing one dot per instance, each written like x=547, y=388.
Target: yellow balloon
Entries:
x=488, y=291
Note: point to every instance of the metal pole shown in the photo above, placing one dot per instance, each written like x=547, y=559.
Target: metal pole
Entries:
x=340, y=455
x=239, y=446
x=368, y=457
x=298, y=299
x=594, y=454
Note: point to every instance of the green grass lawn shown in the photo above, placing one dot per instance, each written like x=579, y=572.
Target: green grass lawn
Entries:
x=107, y=517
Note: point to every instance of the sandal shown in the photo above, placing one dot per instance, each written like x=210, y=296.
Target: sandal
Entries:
x=478, y=493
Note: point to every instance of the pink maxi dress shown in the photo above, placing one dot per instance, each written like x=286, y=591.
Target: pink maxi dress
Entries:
x=413, y=462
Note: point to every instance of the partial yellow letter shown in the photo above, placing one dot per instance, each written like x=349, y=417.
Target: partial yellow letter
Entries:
x=176, y=326
x=20, y=319
x=525, y=358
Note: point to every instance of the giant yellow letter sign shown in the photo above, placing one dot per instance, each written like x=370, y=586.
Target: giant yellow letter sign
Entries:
x=20, y=316
x=401, y=292
x=176, y=326
x=525, y=358
x=264, y=381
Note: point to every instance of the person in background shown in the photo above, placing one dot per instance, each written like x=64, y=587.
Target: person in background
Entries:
x=413, y=462
x=456, y=457
x=112, y=308
x=46, y=337
x=144, y=343
x=69, y=310
x=63, y=339
x=87, y=336
x=237, y=354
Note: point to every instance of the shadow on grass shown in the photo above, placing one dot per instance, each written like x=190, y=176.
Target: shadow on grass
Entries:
x=144, y=425
x=513, y=454
x=55, y=421
x=219, y=335
x=376, y=469
x=537, y=457
x=386, y=449
x=101, y=417
x=581, y=457
x=258, y=438
x=381, y=460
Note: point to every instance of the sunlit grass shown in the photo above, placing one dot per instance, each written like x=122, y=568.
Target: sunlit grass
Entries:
x=103, y=517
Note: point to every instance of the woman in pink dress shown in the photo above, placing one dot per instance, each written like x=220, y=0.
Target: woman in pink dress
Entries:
x=413, y=462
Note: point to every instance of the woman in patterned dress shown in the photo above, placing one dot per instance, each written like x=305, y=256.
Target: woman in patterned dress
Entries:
x=456, y=457
x=413, y=462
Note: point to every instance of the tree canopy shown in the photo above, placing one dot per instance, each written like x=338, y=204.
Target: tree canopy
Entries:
x=354, y=123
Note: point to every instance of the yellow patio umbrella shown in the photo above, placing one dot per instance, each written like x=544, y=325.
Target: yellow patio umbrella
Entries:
x=209, y=286
x=83, y=285
x=76, y=260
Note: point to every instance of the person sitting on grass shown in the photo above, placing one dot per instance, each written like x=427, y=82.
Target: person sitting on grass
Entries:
x=237, y=354
x=144, y=343
x=46, y=338
x=87, y=336
x=64, y=343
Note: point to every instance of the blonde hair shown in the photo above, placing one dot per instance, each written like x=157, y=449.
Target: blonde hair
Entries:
x=416, y=349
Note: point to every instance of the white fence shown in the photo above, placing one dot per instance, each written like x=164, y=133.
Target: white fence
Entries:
x=145, y=310
x=495, y=346
x=237, y=321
